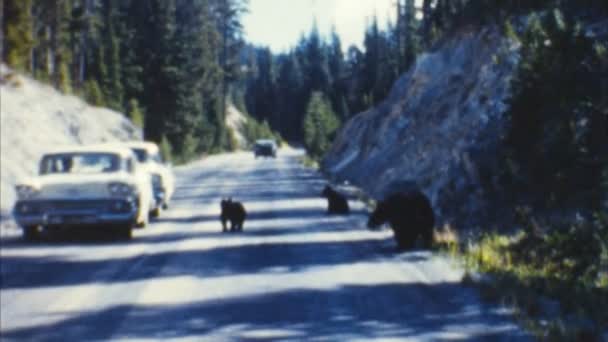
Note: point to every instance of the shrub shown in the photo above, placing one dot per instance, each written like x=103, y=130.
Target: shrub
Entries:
x=64, y=81
x=93, y=94
x=136, y=114
x=320, y=125
x=166, y=150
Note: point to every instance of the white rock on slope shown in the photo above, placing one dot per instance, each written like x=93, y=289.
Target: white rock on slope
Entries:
x=439, y=127
x=235, y=121
x=35, y=117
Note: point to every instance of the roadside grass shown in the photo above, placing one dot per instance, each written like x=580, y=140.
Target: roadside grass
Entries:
x=309, y=162
x=556, y=280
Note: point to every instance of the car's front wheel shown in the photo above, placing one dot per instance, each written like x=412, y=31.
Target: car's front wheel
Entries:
x=155, y=213
x=31, y=233
x=124, y=232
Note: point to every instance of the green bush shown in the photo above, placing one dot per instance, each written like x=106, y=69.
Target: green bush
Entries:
x=165, y=149
x=93, y=94
x=320, y=125
x=233, y=143
x=136, y=114
x=64, y=81
x=255, y=130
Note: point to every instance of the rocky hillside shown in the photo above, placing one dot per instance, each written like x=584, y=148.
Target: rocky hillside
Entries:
x=35, y=117
x=235, y=122
x=439, y=128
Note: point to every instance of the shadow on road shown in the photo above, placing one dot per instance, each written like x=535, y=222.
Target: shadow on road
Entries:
x=217, y=261
x=278, y=214
x=295, y=315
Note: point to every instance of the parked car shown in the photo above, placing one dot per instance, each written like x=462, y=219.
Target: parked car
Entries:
x=265, y=147
x=97, y=187
x=161, y=173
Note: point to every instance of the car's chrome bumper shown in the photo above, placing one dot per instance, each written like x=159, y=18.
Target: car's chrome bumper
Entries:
x=74, y=212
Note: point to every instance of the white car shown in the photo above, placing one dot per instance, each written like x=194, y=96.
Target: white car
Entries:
x=101, y=187
x=163, y=180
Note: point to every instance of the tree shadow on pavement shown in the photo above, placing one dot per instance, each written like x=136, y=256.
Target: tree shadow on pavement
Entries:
x=235, y=259
x=441, y=311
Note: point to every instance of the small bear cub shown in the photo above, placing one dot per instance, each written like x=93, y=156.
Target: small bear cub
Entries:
x=336, y=202
x=233, y=212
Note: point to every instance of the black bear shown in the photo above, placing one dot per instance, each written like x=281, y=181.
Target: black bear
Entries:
x=336, y=203
x=410, y=215
x=233, y=212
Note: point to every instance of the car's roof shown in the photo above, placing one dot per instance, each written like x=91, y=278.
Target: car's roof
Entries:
x=146, y=145
x=265, y=141
x=112, y=148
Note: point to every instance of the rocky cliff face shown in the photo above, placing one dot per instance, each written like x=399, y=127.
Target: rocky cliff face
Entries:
x=440, y=127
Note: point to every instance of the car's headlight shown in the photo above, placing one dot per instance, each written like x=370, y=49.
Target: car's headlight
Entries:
x=27, y=208
x=121, y=189
x=26, y=191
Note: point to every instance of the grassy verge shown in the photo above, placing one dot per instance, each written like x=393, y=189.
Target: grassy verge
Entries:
x=309, y=162
x=557, y=280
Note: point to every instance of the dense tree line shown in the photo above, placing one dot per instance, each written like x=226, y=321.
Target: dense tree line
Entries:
x=279, y=88
x=171, y=64
x=557, y=143
x=166, y=62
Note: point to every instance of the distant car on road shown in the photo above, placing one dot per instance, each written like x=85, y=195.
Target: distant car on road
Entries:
x=265, y=148
x=96, y=187
x=161, y=173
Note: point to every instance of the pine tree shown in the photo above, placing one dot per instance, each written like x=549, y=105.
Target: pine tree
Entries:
x=560, y=146
x=19, y=38
x=63, y=55
x=337, y=75
x=93, y=93
x=320, y=125
x=227, y=15
x=289, y=96
x=135, y=113
x=113, y=88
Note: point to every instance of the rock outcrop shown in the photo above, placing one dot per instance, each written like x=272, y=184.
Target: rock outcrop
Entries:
x=440, y=127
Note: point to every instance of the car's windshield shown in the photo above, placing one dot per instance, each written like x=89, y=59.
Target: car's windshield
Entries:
x=265, y=143
x=156, y=157
x=79, y=163
x=142, y=154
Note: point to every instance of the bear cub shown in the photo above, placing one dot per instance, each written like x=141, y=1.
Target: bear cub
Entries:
x=410, y=216
x=233, y=212
x=336, y=202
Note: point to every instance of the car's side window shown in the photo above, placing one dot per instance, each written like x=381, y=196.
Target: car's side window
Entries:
x=157, y=158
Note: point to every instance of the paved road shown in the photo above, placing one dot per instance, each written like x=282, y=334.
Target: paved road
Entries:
x=294, y=274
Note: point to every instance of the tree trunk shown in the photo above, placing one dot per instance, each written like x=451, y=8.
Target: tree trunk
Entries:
x=2, y=31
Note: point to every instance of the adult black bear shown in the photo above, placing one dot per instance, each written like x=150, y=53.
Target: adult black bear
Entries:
x=233, y=212
x=410, y=215
x=336, y=203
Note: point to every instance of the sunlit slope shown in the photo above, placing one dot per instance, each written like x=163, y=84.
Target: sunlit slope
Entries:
x=36, y=117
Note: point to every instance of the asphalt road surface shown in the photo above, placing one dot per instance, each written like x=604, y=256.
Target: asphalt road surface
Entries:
x=294, y=274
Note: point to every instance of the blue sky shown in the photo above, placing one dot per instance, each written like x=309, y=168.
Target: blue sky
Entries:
x=279, y=24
